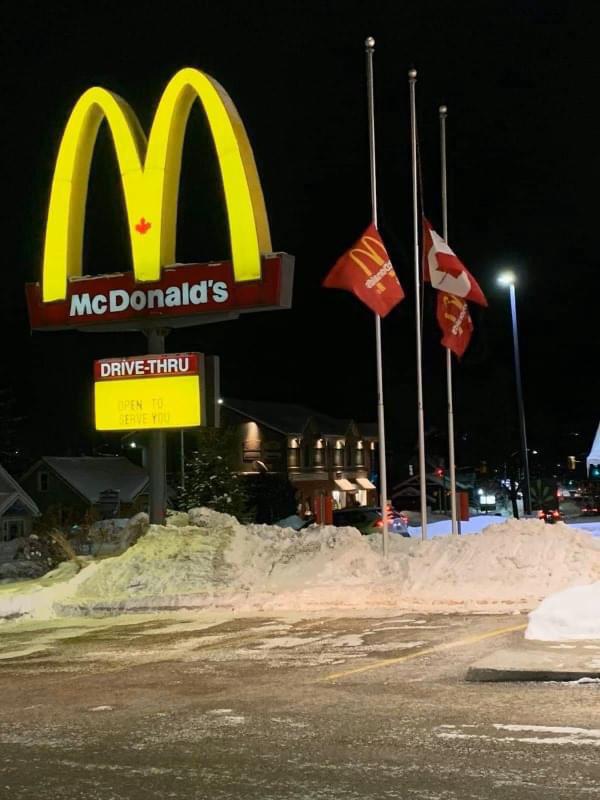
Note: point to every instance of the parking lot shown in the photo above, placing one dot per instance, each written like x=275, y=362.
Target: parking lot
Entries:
x=218, y=706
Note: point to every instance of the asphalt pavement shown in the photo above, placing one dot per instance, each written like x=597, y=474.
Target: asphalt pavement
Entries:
x=195, y=706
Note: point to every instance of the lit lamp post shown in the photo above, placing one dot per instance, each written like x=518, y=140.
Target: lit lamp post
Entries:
x=508, y=279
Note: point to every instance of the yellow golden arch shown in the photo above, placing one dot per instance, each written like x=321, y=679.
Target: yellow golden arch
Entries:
x=150, y=176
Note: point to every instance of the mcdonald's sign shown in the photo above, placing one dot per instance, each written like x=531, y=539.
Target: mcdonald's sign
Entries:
x=158, y=289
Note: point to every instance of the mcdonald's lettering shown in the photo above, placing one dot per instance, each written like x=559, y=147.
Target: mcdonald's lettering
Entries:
x=370, y=245
x=463, y=313
x=150, y=172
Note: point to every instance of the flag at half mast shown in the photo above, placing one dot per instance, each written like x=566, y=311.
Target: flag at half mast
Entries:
x=366, y=270
x=455, y=285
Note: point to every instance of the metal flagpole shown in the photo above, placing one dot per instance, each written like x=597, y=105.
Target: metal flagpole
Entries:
x=412, y=79
x=370, y=47
x=451, y=454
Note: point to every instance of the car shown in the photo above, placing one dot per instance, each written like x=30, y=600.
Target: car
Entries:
x=590, y=507
x=550, y=515
x=368, y=519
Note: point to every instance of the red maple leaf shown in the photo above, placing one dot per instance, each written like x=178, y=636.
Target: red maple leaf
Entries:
x=143, y=226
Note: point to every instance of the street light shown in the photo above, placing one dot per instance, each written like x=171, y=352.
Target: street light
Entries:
x=508, y=278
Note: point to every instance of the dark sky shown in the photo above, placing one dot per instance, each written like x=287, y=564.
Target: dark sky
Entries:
x=521, y=82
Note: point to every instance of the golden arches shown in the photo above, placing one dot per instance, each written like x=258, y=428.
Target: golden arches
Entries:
x=150, y=177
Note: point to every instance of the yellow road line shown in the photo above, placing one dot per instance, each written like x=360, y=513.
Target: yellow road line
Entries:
x=436, y=649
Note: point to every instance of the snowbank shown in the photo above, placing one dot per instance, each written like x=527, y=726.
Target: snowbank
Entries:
x=568, y=615
x=209, y=560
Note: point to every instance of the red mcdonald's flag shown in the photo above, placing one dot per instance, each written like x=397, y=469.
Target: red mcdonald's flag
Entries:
x=366, y=270
x=455, y=321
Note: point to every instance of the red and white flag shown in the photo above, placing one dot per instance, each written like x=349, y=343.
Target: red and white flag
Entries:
x=455, y=285
x=366, y=271
x=445, y=271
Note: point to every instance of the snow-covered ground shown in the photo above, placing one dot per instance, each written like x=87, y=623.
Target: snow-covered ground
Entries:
x=478, y=523
x=208, y=560
x=592, y=528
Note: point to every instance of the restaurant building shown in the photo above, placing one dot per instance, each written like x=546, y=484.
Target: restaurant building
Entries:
x=330, y=462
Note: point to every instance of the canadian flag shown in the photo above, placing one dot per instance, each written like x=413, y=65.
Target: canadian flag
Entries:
x=445, y=271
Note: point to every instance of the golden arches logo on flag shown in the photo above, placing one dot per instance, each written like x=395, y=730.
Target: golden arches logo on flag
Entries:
x=375, y=281
x=150, y=173
x=455, y=322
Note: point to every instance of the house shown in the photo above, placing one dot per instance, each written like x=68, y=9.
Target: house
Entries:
x=110, y=486
x=407, y=494
x=17, y=509
x=330, y=462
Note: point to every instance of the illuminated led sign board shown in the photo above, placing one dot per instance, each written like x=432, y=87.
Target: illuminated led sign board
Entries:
x=155, y=392
x=158, y=289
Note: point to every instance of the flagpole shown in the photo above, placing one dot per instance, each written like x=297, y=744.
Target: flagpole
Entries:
x=370, y=48
x=412, y=79
x=451, y=453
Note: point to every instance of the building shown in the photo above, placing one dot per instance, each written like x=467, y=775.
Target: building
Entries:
x=17, y=509
x=330, y=462
x=593, y=459
x=406, y=495
x=109, y=486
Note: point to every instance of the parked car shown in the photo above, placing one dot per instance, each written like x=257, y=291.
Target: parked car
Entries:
x=369, y=520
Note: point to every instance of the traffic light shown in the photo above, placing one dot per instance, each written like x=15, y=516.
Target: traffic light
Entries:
x=594, y=470
x=439, y=472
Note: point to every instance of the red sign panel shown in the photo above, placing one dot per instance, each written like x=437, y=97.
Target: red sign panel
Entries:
x=158, y=366
x=186, y=294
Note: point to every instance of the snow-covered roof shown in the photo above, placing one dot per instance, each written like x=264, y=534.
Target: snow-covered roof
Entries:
x=594, y=456
x=90, y=475
x=11, y=493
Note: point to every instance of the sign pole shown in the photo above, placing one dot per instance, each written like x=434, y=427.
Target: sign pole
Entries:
x=370, y=47
x=182, y=458
x=157, y=452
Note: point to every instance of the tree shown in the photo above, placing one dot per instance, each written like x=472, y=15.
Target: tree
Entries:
x=11, y=455
x=209, y=479
x=272, y=496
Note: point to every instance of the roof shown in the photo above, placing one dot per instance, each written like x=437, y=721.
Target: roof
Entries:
x=90, y=475
x=289, y=418
x=406, y=487
x=11, y=492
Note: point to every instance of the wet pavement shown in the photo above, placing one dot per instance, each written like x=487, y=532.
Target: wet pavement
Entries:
x=216, y=706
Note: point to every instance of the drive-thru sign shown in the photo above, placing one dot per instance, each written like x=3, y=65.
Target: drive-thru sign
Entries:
x=149, y=392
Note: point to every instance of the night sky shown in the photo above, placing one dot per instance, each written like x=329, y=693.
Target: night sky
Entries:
x=521, y=83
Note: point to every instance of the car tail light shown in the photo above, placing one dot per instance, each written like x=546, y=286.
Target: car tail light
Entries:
x=555, y=514
x=379, y=523
x=540, y=515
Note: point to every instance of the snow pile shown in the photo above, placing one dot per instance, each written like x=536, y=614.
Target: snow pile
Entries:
x=568, y=615
x=517, y=561
x=209, y=560
x=216, y=561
